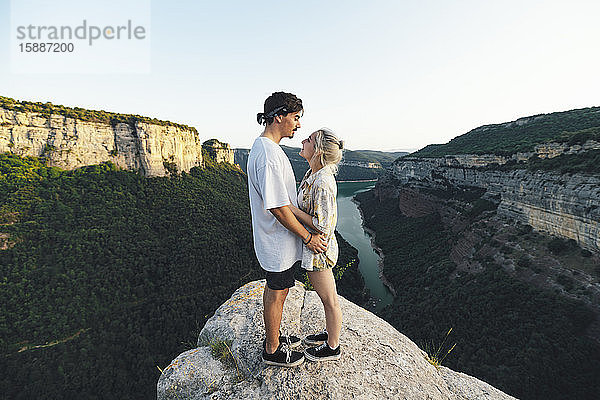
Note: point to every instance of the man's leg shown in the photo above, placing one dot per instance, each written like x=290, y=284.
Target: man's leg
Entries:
x=273, y=309
x=275, y=292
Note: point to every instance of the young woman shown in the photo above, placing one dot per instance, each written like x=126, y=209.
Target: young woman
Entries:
x=317, y=210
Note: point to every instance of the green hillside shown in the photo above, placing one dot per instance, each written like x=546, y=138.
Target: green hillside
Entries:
x=522, y=135
x=107, y=275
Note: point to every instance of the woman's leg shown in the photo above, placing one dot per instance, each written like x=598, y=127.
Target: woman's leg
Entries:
x=324, y=285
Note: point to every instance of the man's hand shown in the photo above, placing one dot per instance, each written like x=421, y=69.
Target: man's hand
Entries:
x=317, y=243
x=285, y=216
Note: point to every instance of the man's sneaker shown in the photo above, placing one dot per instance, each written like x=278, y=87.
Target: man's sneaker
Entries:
x=322, y=353
x=283, y=356
x=315, y=340
x=290, y=340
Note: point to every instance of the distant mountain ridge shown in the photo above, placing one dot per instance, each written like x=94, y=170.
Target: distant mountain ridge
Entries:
x=355, y=165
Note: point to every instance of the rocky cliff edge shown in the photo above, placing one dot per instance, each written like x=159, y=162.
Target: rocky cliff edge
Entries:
x=71, y=143
x=378, y=362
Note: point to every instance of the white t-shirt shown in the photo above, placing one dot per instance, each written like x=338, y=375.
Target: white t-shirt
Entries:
x=271, y=184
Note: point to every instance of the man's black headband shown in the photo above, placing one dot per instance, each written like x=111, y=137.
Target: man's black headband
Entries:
x=262, y=118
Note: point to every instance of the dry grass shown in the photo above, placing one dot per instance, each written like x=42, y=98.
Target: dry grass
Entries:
x=436, y=354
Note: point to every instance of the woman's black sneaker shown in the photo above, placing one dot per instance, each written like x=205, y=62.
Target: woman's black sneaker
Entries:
x=290, y=340
x=283, y=356
x=315, y=340
x=322, y=353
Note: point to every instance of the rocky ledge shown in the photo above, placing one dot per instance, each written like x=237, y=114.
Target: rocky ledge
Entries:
x=378, y=362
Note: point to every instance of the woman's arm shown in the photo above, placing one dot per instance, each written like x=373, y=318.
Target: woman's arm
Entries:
x=303, y=217
x=324, y=209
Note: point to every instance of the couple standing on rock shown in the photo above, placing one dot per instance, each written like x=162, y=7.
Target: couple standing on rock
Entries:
x=295, y=228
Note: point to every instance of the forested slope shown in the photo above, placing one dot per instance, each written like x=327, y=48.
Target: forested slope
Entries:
x=119, y=270
x=525, y=339
x=107, y=275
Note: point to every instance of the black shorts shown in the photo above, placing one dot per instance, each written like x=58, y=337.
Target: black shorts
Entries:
x=282, y=280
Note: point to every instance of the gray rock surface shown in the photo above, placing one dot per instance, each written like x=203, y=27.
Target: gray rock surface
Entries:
x=378, y=362
x=219, y=151
x=565, y=205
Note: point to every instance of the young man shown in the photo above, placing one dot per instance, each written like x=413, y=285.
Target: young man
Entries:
x=278, y=236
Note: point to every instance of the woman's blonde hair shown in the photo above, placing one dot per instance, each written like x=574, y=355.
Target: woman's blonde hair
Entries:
x=328, y=147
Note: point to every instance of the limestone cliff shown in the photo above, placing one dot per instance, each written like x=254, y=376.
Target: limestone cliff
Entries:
x=70, y=143
x=219, y=151
x=567, y=206
x=544, y=150
x=378, y=362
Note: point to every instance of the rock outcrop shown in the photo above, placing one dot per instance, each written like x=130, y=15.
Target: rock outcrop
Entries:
x=378, y=362
x=544, y=150
x=219, y=151
x=567, y=206
x=553, y=149
x=70, y=143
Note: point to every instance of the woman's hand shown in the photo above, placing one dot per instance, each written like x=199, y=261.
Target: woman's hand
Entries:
x=317, y=243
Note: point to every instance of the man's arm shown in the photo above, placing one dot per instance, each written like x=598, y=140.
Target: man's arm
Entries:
x=303, y=217
x=285, y=216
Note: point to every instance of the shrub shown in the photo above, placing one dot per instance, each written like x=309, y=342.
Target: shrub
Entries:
x=525, y=229
x=557, y=246
x=524, y=261
x=565, y=281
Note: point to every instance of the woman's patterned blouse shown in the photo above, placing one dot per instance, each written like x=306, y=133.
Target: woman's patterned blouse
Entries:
x=316, y=197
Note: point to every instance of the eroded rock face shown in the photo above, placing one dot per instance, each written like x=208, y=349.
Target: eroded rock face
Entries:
x=378, y=362
x=545, y=150
x=219, y=151
x=567, y=206
x=552, y=149
x=69, y=143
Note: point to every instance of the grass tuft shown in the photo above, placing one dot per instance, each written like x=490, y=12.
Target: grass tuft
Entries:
x=435, y=354
x=221, y=350
x=338, y=272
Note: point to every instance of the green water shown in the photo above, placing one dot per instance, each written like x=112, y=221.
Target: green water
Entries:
x=349, y=225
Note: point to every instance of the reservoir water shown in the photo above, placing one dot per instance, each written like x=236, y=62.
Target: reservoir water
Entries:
x=349, y=225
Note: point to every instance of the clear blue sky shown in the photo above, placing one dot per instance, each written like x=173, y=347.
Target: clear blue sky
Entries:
x=386, y=75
